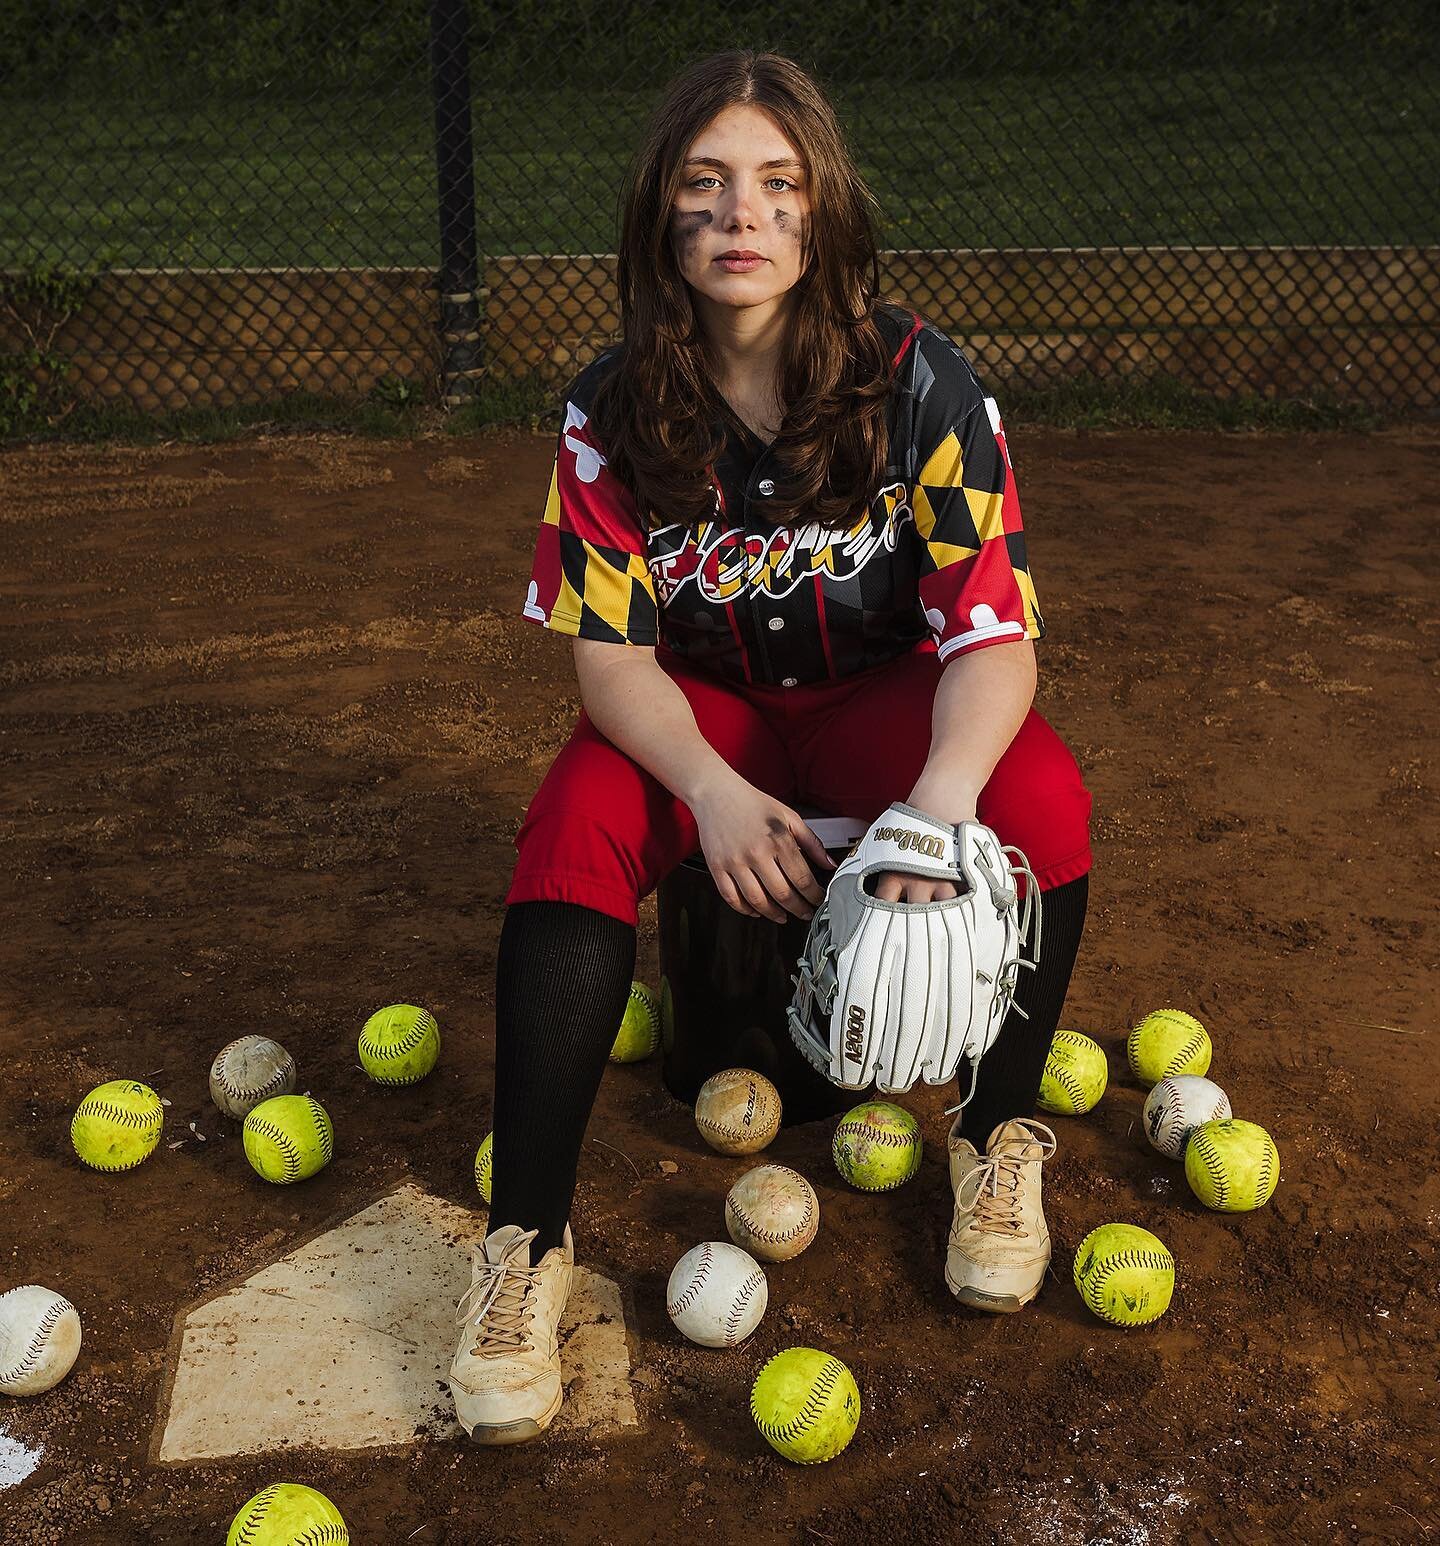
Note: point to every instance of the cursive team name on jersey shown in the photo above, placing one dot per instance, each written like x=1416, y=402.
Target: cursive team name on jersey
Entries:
x=724, y=561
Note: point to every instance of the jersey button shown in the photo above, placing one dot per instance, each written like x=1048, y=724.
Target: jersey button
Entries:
x=790, y=681
x=766, y=485
x=777, y=622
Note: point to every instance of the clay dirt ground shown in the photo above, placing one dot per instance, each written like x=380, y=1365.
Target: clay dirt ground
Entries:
x=271, y=716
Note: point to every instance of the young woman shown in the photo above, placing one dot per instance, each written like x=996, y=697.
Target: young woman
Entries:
x=784, y=532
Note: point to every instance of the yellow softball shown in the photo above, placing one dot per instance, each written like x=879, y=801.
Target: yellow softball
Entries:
x=288, y=1514
x=288, y=1138
x=877, y=1146
x=1125, y=1274
x=482, y=1167
x=639, y=1033
x=1165, y=1043
x=1075, y=1076
x=1231, y=1165
x=117, y=1125
x=806, y=1403
x=399, y=1044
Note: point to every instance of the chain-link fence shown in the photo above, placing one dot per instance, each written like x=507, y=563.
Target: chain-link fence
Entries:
x=205, y=203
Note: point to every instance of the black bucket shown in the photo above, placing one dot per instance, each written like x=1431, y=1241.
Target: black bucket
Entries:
x=725, y=984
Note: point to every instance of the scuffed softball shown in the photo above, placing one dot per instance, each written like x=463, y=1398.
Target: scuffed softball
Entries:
x=1177, y=1106
x=248, y=1070
x=39, y=1339
x=737, y=1111
x=772, y=1212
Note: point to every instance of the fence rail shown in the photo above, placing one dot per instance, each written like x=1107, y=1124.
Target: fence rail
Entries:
x=1241, y=197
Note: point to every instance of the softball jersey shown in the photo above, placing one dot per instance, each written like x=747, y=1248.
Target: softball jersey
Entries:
x=936, y=560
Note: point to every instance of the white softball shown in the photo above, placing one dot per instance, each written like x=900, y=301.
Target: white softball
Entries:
x=248, y=1070
x=716, y=1294
x=772, y=1212
x=1178, y=1105
x=39, y=1339
x=737, y=1111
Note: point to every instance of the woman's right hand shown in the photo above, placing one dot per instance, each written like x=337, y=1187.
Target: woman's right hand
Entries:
x=759, y=851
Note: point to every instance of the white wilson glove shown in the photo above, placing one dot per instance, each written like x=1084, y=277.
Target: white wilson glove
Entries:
x=892, y=992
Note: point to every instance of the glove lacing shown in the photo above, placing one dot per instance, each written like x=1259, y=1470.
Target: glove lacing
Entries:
x=1004, y=897
x=1008, y=978
x=995, y=1196
x=498, y=1302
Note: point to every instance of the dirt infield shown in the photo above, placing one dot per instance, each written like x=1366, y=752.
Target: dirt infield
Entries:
x=270, y=719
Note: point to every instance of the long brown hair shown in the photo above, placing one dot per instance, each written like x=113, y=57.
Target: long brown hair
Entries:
x=658, y=413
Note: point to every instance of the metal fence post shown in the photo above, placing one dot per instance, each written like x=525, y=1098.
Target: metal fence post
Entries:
x=461, y=294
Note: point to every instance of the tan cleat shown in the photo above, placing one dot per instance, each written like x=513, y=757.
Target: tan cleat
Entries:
x=505, y=1376
x=999, y=1243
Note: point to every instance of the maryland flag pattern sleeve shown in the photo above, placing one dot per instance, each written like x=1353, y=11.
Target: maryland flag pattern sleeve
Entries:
x=590, y=577
x=974, y=579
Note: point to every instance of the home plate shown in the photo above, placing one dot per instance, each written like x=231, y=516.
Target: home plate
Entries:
x=346, y=1343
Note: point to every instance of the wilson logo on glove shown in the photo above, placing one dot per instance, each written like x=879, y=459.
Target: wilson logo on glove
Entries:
x=891, y=992
x=904, y=837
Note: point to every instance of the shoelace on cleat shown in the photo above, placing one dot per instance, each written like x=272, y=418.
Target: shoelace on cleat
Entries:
x=995, y=1197
x=498, y=1302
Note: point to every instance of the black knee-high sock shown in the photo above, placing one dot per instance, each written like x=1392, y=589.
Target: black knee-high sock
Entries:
x=1011, y=1070
x=562, y=980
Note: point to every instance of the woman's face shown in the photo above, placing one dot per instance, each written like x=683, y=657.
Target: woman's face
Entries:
x=744, y=189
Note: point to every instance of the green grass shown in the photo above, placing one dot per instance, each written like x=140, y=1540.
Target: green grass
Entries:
x=1303, y=154
x=1160, y=404
x=526, y=403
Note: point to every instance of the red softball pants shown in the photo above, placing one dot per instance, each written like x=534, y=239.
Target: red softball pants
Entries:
x=603, y=832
